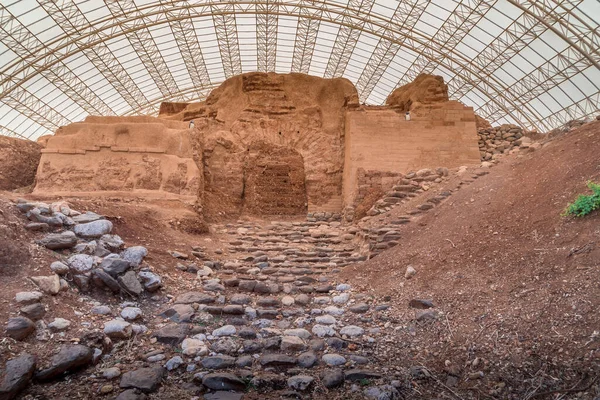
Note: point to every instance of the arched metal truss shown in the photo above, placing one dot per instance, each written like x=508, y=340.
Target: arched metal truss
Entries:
x=535, y=63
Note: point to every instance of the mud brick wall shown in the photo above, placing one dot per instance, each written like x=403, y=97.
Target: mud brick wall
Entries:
x=120, y=154
x=379, y=139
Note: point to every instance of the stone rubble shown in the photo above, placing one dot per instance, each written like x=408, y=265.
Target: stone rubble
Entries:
x=270, y=314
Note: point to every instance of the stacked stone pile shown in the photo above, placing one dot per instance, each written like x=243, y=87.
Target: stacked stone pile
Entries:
x=376, y=239
x=92, y=256
x=269, y=318
x=411, y=185
x=499, y=140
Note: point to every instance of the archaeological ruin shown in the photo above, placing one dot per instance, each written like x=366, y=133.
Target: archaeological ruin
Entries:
x=260, y=200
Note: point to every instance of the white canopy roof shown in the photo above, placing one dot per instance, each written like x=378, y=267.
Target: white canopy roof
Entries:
x=531, y=62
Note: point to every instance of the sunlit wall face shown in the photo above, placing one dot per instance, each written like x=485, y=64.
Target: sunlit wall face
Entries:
x=535, y=63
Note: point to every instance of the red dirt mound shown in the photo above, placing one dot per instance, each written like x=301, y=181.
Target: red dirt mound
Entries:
x=19, y=160
x=518, y=283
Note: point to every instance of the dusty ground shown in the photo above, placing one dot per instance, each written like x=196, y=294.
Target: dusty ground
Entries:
x=517, y=282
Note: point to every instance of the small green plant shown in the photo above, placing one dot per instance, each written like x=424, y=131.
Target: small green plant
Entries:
x=585, y=204
x=249, y=384
x=364, y=382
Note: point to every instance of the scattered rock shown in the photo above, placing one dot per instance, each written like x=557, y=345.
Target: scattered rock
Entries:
x=131, y=313
x=332, y=378
x=420, y=303
x=101, y=310
x=218, y=362
x=151, y=281
x=384, y=392
x=307, y=359
x=410, y=272
x=118, y=329
x=300, y=382
x=223, y=381
x=47, y=284
x=93, y=229
x=131, y=394
x=352, y=331
x=111, y=373
x=17, y=375
x=34, y=311
x=59, y=324
x=81, y=263
x=277, y=360
x=145, y=379
x=360, y=308
x=193, y=347
x=19, y=328
x=323, y=330
x=115, y=266
x=134, y=254
x=112, y=243
x=292, y=343
x=26, y=298
x=69, y=359
x=59, y=268
x=59, y=241
x=174, y=363
x=130, y=283
x=171, y=334
x=333, y=360
x=360, y=374
x=226, y=330
x=194, y=297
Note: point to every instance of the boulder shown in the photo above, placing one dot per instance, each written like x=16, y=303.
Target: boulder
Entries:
x=70, y=358
x=19, y=328
x=115, y=266
x=151, y=281
x=117, y=329
x=93, y=229
x=145, y=379
x=81, y=263
x=26, y=298
x=59, y=241
x=18, y=373
x=223, y=381
x=134, y=255
x=131, y=284
x=47, y=284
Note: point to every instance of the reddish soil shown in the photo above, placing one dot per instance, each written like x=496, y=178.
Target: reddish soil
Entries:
x=516, y=280
x=19, y=160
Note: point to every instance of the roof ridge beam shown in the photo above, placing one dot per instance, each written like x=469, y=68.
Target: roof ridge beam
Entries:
x=187, y=40
x=143, y=44
x=266, y=35
x=68, y=16
x=346, y=39
x=407, y=14
x=227, y=37
x=22, y=41
x=306, y=36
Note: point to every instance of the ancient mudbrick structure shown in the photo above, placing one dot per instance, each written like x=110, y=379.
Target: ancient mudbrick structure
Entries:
x=266, y=144
x=120, y=154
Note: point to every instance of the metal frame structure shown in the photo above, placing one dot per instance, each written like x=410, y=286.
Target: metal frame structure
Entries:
x=531, y=62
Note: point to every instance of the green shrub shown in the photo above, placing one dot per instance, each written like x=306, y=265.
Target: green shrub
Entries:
x=585, y=204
